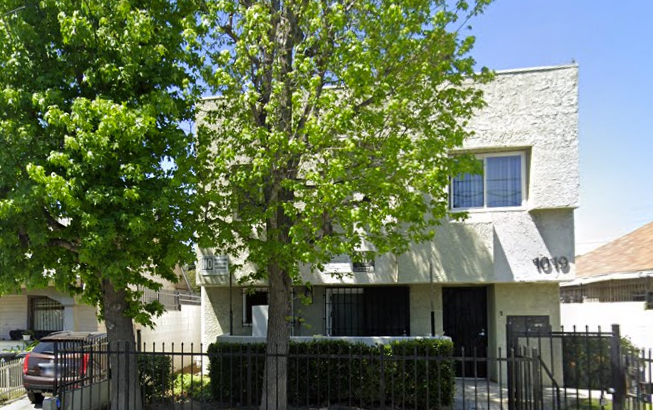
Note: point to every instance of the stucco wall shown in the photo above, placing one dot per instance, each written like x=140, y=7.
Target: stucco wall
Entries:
x=14, y=311
x=634, y=320
x=523, y=300
x=535, y=109
x=420, y=309
x=489, y=247
x=533, y=299
x=82, y=318
x=215, y=313
x=503, y=300
x=13, y=314
x=180, y=329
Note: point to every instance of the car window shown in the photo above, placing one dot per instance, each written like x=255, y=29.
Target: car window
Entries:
x=44, y=347
x=48, y=347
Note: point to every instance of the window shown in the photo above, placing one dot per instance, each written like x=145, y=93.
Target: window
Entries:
x=368, y=311
x=503, y=183
x=256, y=298
x=46, y=314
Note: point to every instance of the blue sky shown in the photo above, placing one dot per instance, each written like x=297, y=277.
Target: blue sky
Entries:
x=613, y=44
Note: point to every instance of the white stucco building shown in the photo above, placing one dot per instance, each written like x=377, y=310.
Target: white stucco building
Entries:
x=506, y=260
x=614, y=285
x=47, y=310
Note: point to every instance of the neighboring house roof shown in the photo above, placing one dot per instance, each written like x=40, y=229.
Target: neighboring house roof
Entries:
x=630, y=253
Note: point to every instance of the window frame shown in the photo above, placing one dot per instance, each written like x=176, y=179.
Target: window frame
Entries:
x=56, y=309
x=485, y=208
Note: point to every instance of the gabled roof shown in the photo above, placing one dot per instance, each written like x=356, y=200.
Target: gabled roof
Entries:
x=630, y=253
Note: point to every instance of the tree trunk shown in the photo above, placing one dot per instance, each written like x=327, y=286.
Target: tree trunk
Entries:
x=275, y=391
x=125, y=386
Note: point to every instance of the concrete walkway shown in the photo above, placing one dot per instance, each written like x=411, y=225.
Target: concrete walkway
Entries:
x=20, y=404
x=481, y=394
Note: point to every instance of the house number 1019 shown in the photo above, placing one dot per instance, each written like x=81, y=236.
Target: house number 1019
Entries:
x=545, y=264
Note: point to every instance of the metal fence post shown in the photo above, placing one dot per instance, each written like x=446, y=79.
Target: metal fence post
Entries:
x=537, y=379
x=510, y=367
x=618, y=371
x=382, y=382
x=249, y=375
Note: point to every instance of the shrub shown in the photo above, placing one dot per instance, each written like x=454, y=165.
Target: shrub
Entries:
x=409, y=373
x=154, y=375
x=586, y=361
x=192, y=386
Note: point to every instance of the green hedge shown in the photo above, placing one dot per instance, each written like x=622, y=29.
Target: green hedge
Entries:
x=155, y=376
x=409, y=373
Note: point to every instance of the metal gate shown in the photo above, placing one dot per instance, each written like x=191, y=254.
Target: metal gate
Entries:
x=580, y=369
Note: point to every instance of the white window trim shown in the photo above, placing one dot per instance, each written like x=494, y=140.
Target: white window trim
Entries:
x=485, y=208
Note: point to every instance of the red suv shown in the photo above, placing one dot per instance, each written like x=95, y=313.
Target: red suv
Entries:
x=75, y=361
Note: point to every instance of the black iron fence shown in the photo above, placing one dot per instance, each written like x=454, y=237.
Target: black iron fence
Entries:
x=638, y=369
x=585, y=369
x=565, y=370
x=362, y=377
x=82, y=372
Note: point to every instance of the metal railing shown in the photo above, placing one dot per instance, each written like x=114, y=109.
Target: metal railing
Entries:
x=172, y=300
x=589, y=369
x=11, y=379
x=607, y=291
x=639, y=379
x=329, y=378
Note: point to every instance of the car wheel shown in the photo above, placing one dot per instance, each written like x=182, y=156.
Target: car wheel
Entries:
x=35, y=398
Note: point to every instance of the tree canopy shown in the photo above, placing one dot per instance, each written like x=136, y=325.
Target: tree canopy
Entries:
x=93, y=96
x=338, y=116
x=331, y=132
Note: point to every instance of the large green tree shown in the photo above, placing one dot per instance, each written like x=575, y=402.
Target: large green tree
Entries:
x=332, y=128
x=93, y=94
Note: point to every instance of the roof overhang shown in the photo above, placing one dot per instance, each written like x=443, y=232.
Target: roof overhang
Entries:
x=607, y=277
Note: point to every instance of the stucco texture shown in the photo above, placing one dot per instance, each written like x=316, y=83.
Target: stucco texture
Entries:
x=533, y=112
x=536, y=110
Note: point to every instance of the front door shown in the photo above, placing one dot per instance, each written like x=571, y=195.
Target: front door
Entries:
x=465, y=322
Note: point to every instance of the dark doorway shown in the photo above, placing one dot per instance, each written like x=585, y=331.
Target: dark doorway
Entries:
x=465, y=322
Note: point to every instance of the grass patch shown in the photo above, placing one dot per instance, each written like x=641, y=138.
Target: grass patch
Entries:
x=586, y=404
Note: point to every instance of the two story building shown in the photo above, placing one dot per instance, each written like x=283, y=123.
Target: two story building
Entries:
x=504, y=262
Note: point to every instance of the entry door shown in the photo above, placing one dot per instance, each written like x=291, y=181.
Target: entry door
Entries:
x=465, y=322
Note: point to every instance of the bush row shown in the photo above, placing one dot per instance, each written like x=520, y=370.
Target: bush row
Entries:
x=416, y=373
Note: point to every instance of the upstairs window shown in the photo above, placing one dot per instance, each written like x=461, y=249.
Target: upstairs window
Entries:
x=502, y=185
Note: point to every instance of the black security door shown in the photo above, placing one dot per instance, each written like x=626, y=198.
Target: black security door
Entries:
x=386, y=311
x=465, y=322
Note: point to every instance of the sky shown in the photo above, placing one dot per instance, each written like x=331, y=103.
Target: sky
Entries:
x=612, y=42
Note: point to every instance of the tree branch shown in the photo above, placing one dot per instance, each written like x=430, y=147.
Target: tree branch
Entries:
x=63, y=243
x=52, y=222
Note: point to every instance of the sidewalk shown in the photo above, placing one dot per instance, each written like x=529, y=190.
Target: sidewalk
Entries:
x=482, y=394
